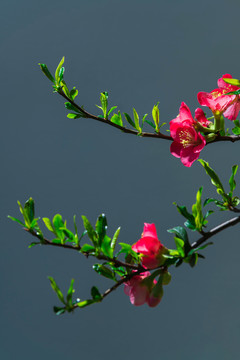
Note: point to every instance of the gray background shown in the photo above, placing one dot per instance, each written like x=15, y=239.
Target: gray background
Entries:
x=140, y=52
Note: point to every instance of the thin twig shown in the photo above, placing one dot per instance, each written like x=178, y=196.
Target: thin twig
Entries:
x=116, y=262
x=215, y=231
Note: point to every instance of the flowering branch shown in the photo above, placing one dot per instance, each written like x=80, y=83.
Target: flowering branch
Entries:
x=108, y=122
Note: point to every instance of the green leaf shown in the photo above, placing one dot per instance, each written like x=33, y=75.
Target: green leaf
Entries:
x=84, y=303
x=48, y=224
x=114, y=239
x=150, y=123
x=106, y=246
x=20, y=208
x=33, y=244
x=46, y=72
x=65, y=88
x=69, y=234
x=17, y=220
x=29, y=209
x=199, y=248
x=104, y=271
x=57, y=290
x=180, y=246
x=101, y=228
x=232, y=182
x=59, y=310
x=57, y=225
x=87, y=248
x=96, y=294
x=197, y=210
x=73, y=93
x=112, y=108
x=156, y=116
x=236, y=130
x=74, y=116
x=214, y=177
x=235, y=82
x=127, y=249
x=117, y=119
x=181, y=234
x=184, y=212
x=129, y=120
x=91, y=233
x=57, y=73
x=136, y=120
x=193, y=260
x=104, y=102
x=70, y=293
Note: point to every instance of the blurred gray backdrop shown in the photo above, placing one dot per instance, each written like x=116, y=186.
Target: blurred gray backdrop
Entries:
x=141, y=52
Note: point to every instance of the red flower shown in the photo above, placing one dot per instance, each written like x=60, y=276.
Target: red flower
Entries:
x=151, y=248
x=219, y=102
x=187, y=141
x=139, y=290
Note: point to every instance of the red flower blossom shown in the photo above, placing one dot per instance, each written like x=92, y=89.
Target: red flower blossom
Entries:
x=151, y=248
x=140, y=291
x=219, y=102
x=187, y=141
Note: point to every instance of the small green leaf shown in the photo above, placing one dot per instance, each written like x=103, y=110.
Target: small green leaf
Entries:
x=33, y=244
x=214, y=177
x=29, y=209
x=150, y=123
x=114, y=239
x=117, y=119
x=136, y=120
x=180, y=246
x=104, y=102
x=104, y=271
x=59, y=310
x=127, y=249
x=57, y=73
x=156, y=116
x=56, y=289
x=48, y=224
x=199, y=248
x=46, y=72
x=236, y=130
x=70, y=293
x=129, y=120
x=61, y=73
x=73, y=93
x=69, y=234
x=96, y=294
x=231, y=81
x=91, y=233
x=106, y=246
x=87, y=248
x=112, y=108
x=184, y=212
x=58, y=224
x=74, y=116
x=181, y=234
x=17, y=220
x=84, y=303
x=101, y=228
x=232, y=182
x=193, y=260
x=65, y=88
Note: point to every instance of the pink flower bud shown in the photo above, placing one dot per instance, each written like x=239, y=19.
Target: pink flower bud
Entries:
x=150, y=247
